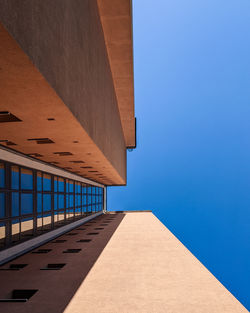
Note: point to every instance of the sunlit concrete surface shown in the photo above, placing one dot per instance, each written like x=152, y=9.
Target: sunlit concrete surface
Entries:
x=144, y=268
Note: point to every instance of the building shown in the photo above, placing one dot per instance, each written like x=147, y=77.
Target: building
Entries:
x=66, y=120
x=121, y=262
x=66, y=111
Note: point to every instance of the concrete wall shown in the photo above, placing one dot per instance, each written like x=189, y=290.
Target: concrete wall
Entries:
x=65, y=41
x=145, y=269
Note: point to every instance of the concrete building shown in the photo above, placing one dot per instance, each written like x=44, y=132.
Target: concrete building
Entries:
x=66, y=111
x=66, y=120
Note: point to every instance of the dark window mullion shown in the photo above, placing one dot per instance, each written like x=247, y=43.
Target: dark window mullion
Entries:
x=52, y=202
x=74, y=198
x=8, y=228
x=19, y=204
x=65, y=200
x=34, y=202
x=42, y=196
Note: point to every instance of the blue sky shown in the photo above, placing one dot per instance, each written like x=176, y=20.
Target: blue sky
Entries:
x=192, y=100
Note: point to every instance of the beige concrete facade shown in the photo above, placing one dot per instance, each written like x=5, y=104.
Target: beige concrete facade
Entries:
x=67, y=76
x=145, y=269
x=116, y=18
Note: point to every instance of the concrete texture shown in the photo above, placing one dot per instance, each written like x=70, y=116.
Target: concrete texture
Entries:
x=116, y=17
x=21, y=248
x=57, y=287
x=65, y=41
x=25, y=93
x=145, y=269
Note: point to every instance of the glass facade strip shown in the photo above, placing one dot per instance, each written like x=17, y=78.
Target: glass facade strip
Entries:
x=33, y=202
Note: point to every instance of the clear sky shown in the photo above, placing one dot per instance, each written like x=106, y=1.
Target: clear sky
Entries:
x=192, y=100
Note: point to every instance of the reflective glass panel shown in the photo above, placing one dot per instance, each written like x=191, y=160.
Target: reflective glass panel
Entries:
x=15, y=227
x=55, y=202
x=15, y=203
x=71, y=186
x=39, y=181
x=71, y=201
x=26, y=179
x=2, y=204
x=26, y=225
x=14, y=177
x=46, y=202
x=39, y=220
x=2, y=175
x=39, y=202
x=55, y=184
x=60, y=201
x=47, y=219
x=26, y=203
x=60, y=185
x=46, y=182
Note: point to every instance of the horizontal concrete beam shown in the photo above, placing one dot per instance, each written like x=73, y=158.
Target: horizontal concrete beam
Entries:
x=20, y=159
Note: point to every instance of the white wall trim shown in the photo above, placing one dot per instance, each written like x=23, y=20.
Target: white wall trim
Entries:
x=20, y=159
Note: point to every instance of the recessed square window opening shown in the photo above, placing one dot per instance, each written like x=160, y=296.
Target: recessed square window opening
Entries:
x=37, y=155
x=72, y=251
x=40, y=251
x=14, y=267
x=53, y=266
x=6, y=116
x=84, y=240
x=41, y=140
x=59, y=241
x=20, y=295
x=8, y=143
x=63, y=153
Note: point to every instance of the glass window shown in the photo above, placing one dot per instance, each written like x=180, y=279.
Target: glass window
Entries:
x=89, y=199
x=78, y=187
x=46, y=219
x=46, y=202
x=60, y=201
x=2, y=204
x=39, y=181
x=39, y=220
x=15, y=227
x=55, y=202
x=15, y=203
x=26, y=224
x=80, y=198
x=2, y=175
x=61, y=184
x=71, y=186
x=39, y=202
x=46, y=182
x=71, y=201
x=55, y=184
x=26, y=179
x=26, y=203
x=14, y=177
